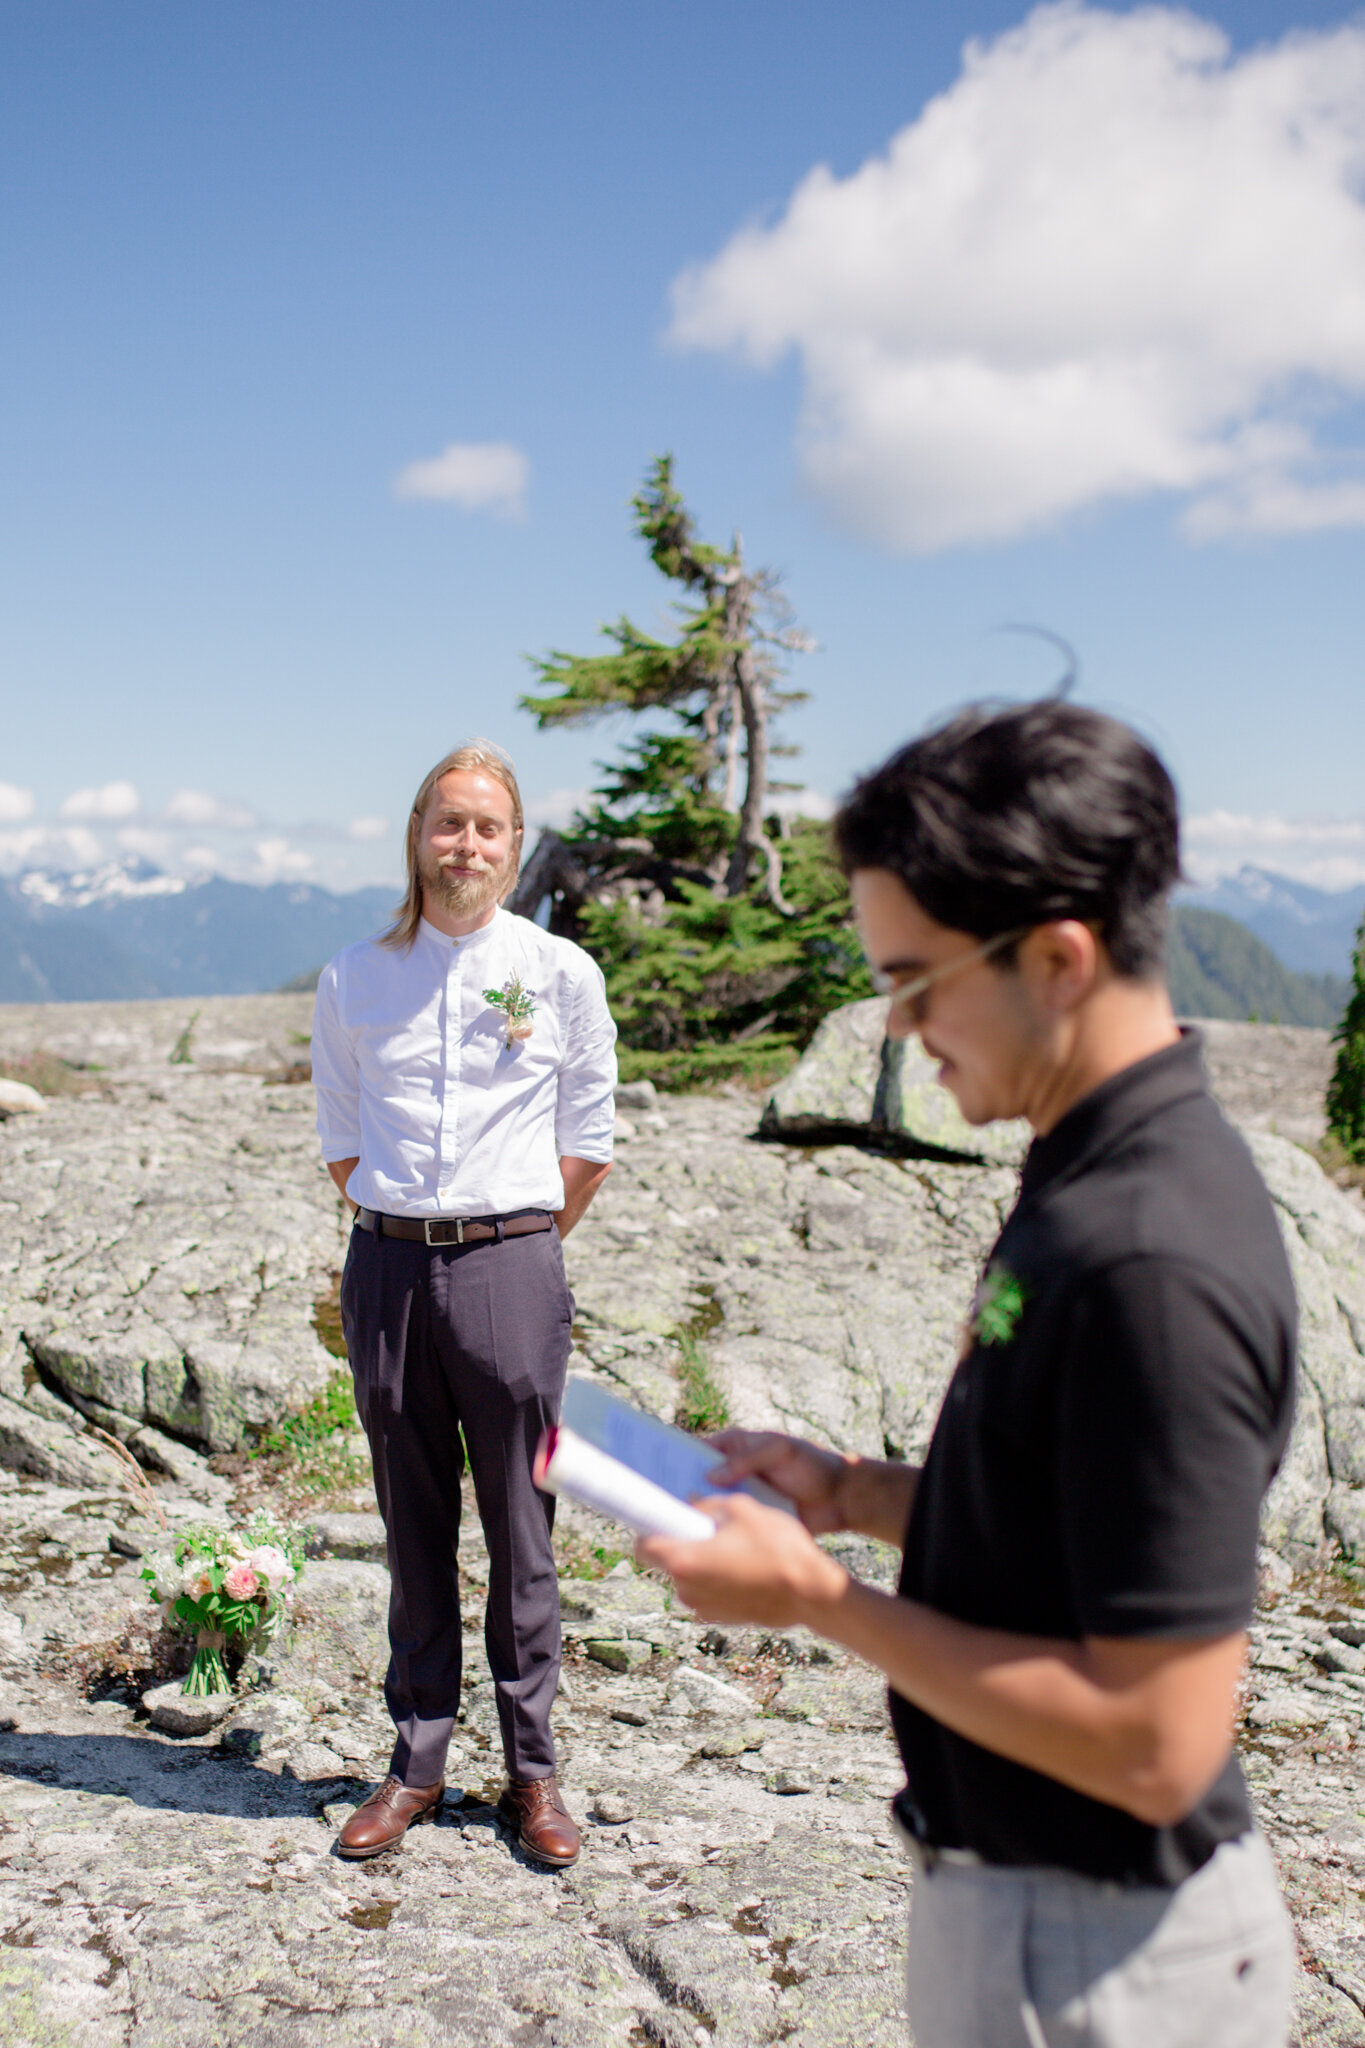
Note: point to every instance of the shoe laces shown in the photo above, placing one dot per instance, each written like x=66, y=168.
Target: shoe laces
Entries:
x=537, y=1793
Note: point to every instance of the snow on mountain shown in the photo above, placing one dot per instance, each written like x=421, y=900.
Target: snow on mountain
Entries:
x=118, y=881
x=128, y=929
x=1310, y=930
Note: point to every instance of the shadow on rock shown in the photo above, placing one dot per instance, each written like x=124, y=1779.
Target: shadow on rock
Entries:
x=154, y=1775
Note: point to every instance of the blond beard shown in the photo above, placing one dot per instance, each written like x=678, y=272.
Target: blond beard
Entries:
x=465, y=894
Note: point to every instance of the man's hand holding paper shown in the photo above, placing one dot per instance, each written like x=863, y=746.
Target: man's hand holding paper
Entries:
x=760, y=1566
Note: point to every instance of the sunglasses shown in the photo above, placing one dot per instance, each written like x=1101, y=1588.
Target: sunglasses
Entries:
x=912, y=996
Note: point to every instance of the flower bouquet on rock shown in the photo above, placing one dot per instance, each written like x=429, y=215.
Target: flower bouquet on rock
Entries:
x=228, y=1588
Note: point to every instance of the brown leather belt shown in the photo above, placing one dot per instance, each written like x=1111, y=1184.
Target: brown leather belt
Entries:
x=439, y=1230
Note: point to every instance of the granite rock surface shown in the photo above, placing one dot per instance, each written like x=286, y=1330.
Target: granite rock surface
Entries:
x=740, y=1883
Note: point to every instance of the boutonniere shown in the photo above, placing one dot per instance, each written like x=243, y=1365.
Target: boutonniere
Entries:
x=517, y=1004
x=1000, y=1302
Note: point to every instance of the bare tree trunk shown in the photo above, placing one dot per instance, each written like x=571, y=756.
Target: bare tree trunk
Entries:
x=749, y=682
x=731, y=797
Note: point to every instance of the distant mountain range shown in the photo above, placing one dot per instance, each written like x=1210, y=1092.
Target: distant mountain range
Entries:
x=129, y=930
x=1216, y=967
x=1311, y=930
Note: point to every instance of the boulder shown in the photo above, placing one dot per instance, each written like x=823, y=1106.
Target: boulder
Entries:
x=856, y=1083
x=18, y=1099
x=835, y=1080
x=637, y=1095
x=177, y=1712
x=1320, y=1491
x=161, y=1258
x=56, y=1451
x=347, y=1536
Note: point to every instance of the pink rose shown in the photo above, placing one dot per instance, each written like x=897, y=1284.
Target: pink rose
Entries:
x=241, y=1583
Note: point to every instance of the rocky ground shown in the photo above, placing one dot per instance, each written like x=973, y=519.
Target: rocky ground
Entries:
x=740, y=1883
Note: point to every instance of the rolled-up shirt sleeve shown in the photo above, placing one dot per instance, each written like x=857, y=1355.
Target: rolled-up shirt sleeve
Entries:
x=336, y=1077
x=585, y=1112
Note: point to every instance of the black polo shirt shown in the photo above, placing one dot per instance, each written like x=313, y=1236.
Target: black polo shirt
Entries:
x=1099, y=1462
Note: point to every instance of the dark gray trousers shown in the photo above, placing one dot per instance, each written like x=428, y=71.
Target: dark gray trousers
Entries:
x=473, y=1339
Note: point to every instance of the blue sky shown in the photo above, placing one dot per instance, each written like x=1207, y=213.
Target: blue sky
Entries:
x=261, y=260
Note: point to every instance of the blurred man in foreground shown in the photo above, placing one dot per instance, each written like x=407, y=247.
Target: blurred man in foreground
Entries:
x=1080, y=1544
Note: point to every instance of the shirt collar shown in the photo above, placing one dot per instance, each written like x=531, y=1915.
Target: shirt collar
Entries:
x=1119, y=1105
x=472, y=941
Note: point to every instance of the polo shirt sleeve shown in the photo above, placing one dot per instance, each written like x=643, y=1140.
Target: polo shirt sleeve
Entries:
x=336, y=1075
x=1172, y=1414
x=585, y=1111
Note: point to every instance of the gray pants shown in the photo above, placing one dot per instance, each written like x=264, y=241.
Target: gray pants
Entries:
x=468, y=1340
x=1004, y=1958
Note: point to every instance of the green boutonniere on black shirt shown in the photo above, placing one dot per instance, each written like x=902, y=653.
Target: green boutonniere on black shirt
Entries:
x=999, y=1304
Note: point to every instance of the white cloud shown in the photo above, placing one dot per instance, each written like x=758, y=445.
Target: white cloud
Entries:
x=802, y=803
x=15, y=803
x=488, y=476
x=278, y=861
x=147, y=843
x=197, y=808
x=555, y=807
x=1328, y=852
x=108, y=804
x=367, y=828
x=73, y=846
x=17, y=849
x=1112, y=259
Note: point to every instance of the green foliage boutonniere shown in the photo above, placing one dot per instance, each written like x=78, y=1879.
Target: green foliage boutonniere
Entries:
x=999, y=1304
x=517, y=1004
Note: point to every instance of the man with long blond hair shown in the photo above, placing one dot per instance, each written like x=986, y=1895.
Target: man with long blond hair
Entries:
x=465, y=1069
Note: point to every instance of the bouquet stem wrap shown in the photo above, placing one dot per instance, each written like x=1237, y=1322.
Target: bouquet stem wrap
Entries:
x=208, y=1673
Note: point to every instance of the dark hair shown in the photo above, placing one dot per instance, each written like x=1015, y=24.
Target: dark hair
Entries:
x=1012, y=817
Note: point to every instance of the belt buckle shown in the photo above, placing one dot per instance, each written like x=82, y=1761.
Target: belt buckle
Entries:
x=444, y=1223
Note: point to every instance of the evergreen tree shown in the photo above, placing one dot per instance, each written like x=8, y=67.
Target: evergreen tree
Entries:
x=1346, y=1089
x=724, y=936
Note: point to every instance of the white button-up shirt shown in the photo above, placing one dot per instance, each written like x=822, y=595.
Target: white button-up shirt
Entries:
x=415, y=1077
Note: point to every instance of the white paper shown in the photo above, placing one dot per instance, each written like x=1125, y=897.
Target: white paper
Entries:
x=568, y=1464
x=681, y=1464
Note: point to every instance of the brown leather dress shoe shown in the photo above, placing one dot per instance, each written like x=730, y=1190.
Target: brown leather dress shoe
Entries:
x=386, y=1816
x=541, y=1820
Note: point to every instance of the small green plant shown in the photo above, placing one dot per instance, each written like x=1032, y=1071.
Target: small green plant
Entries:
x=314, y=1446
x=181, y=1056
x=327, y=1319
x=50, y=1074
x=1345, y=1103
x=702, y=1406
x=1336, y=1164
x=578, y=1560
x=756, y=1063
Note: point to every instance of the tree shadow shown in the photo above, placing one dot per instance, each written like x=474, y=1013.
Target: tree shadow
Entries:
x=159, y=1776
x=167, y=1778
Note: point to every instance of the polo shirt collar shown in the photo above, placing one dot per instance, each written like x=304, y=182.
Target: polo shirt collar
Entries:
x=1119, y=1105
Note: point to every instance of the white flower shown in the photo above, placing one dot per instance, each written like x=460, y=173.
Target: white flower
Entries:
x=168, y=1584
x=269, y=1562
